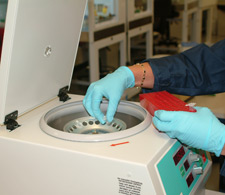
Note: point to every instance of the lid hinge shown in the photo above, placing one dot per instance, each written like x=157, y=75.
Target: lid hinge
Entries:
x=63, y=96
x=10, y=121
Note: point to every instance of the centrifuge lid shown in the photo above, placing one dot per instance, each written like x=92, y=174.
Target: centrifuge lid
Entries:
x=39, y=50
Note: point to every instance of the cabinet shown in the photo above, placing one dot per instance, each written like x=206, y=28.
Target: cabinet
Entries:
x=139, y=23
x=104, y=25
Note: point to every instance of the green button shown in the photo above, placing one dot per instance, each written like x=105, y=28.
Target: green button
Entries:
x=182, y=171
x=200, y=162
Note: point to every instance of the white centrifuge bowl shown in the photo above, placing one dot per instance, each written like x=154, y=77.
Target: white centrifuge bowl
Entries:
x=71, y=122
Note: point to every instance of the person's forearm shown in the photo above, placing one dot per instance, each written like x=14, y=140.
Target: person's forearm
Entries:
x=223, y=151
x=197, y=71
x=138, y=71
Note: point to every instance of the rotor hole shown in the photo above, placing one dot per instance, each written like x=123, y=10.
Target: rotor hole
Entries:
x=91, y=122
x=97, y=122
x=84, y=124
x=114, y=125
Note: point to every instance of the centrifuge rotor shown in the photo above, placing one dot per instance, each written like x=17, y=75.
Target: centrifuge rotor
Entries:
x=90, y=125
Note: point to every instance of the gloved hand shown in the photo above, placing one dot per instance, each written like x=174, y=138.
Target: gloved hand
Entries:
x=112, y=87
x=199, y=129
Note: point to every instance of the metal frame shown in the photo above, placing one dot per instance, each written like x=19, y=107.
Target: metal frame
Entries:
x=104, y=34
x=209, y=6
x=190, y=7
x=140, y=23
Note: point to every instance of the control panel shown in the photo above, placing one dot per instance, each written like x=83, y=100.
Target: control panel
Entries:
x=181, y=168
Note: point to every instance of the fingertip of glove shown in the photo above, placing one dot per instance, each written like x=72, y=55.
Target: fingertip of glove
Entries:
x=157, y=113
x=109, y=119
x=101, y=118
x=102, y=121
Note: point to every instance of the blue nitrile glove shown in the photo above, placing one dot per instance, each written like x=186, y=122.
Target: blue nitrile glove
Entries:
x=199, y=129
x=112, y=87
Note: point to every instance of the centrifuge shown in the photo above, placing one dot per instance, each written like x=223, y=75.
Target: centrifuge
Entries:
x=48, y=142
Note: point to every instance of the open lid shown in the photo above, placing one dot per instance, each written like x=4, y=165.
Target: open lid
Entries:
x=39, y=49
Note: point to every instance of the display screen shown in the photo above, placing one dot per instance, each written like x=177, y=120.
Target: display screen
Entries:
x=189, y=179
x=186, y=165
x=179, y=155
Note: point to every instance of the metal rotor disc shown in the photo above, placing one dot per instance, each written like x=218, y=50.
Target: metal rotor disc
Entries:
x=90, y=125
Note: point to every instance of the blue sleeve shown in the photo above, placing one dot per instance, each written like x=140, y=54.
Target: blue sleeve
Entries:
x=197, y=71
x=222, y=170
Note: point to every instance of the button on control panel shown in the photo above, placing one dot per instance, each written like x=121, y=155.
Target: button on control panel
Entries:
x=192, y=157
x=190, y=163
x=197, y=170
x=183, y=169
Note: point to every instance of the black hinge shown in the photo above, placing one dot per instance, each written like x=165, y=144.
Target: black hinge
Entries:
x=63, y=96
x=10, y=121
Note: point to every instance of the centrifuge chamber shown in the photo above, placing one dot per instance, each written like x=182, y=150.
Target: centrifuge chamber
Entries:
x=48, y=142
x=72, y=122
